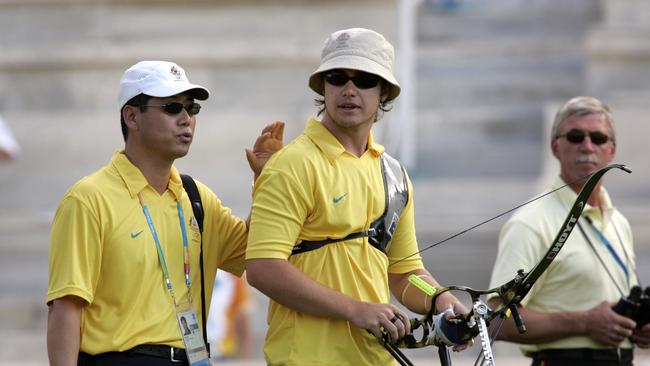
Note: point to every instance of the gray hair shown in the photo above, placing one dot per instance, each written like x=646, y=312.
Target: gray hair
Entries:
x=582, y=106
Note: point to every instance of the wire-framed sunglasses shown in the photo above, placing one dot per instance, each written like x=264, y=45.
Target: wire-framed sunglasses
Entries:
x=176, y=108
x=361, y=80
x=575, y=136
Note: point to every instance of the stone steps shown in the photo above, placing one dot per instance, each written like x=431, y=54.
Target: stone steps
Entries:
x=485, y=73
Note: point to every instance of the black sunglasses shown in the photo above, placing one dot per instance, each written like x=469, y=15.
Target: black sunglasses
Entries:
x=361, y=80
x=577, y=136
x=176, y=108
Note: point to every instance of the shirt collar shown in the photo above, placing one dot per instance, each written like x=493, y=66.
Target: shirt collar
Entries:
x=328, y=143
x=568, y=196
x=134, y=179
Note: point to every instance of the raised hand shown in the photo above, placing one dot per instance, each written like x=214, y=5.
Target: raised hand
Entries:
x=268, y=143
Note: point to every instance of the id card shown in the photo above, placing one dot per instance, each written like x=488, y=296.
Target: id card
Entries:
x=197, y=353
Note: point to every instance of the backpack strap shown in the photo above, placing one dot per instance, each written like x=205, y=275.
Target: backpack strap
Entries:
x=197, y=207
x=195, y=198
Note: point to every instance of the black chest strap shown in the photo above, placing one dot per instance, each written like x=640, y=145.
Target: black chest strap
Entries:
x=309, y=245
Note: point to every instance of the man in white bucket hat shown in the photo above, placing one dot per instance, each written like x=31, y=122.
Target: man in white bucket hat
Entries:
x=332, y=230
x=125, y=270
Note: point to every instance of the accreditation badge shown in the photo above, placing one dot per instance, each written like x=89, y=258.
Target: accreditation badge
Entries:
x=197, y=353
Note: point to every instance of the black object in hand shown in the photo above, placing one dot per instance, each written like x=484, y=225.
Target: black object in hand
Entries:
x=643, y=315
x=629, y=306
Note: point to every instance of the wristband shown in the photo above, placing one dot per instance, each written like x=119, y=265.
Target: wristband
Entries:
x=422, y=285
x=410, y=281
x=425, y=287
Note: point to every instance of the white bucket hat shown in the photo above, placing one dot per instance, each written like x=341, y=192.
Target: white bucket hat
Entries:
x=357, y=49
x=157, y=79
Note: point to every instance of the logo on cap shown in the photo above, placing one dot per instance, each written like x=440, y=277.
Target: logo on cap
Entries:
x=176, y=73
x=342, y=40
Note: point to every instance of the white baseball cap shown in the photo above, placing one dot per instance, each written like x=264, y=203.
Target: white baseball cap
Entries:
x=157, y=79
x=357, y=49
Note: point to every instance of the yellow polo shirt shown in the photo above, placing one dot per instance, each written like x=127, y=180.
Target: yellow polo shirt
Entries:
x=312, y=190
x=575, y=280
x=103, y=251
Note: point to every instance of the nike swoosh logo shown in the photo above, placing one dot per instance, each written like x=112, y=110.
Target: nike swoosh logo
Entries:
x=135, y=235
x=339, y=198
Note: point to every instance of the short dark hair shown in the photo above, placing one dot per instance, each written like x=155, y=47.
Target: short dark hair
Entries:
x=136, y=101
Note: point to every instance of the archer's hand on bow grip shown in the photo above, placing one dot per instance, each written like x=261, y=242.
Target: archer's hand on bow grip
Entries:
x=452, y=332
x=455, y=331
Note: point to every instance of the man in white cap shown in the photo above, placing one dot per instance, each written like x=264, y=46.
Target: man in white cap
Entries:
x=125, y=244
x=332, y=228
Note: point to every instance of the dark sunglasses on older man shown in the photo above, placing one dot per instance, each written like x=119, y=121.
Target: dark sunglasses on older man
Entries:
x=361, y=80
x=176, y=108
x=577, y=136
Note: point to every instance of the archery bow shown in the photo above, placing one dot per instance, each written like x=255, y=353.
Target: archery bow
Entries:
x=441, y=332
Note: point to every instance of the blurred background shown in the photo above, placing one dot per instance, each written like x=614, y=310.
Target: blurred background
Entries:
x=481, y=81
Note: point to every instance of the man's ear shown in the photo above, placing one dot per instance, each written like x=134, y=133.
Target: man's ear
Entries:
x=383, y=96
x=554, y=147
x=129, y=115
x=384, y=93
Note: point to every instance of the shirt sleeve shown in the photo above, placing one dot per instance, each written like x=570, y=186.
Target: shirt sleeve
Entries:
x=225, y=234
x=403, y=253
x=280, y=208
x=75, y=251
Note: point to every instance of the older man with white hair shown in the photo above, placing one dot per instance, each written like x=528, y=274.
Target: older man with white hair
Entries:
x=568, y=311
